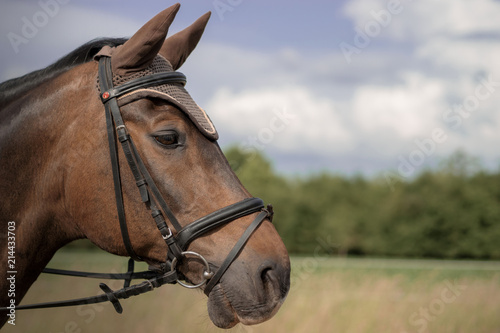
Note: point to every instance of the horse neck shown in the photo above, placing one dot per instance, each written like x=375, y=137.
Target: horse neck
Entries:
x=32, y=177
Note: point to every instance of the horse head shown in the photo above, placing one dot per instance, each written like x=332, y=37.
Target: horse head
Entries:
x=176, y=141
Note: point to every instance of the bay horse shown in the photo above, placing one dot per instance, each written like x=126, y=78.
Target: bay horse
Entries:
x=64, y=176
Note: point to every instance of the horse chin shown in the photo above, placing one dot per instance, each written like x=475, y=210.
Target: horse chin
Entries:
x=224, y=314
x=220, y=311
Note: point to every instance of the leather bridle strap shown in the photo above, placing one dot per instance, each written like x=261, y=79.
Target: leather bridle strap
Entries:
x=218, y=218
x=117, y=185
x=113, y=276
x=109, y=295
x=109, y=95
x=235, y=251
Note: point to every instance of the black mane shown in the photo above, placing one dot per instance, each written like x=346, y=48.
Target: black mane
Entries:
x=85, y=53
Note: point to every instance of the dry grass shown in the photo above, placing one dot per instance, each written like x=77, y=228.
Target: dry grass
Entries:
x=327, y=295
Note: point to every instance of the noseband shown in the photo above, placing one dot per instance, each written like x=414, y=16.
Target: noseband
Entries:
x=177, y=241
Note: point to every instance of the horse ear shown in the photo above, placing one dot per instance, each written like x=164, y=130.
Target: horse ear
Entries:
x=178, y=47
x=140, y=50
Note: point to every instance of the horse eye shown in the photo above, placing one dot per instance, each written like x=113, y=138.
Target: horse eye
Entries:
x=168, y=140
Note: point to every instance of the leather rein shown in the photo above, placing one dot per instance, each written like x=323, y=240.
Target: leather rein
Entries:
x=177, y=242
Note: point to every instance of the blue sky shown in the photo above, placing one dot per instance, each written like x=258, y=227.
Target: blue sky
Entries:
x=359, y=86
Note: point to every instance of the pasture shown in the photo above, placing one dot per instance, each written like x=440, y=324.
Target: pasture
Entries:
x=327, y=295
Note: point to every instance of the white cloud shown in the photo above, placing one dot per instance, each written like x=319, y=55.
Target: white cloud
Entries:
x=218, y=63
x=404, y=110
x=451, y=46
x=427, y=19
x=297, y=119
x=462, y=56
x=452, y=18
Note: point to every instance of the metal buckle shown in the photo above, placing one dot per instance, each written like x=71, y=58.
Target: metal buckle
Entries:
x=168, y=236
x=207, y=274
x=119, y=127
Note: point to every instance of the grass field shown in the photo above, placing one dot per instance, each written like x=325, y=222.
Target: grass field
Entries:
x=327, y=295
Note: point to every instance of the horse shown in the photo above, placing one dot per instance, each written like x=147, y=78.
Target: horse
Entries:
x=59, y=181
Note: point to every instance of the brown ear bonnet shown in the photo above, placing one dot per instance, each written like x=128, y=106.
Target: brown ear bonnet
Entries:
x=142, y=55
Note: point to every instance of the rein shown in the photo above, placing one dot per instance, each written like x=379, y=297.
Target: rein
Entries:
x=177, y=243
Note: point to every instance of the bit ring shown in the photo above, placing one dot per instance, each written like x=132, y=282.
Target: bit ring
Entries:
x=207, y=274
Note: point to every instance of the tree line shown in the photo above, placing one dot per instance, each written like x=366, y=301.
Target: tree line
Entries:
x=449, y=212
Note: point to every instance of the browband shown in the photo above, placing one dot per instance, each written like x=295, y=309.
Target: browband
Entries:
x=143, y=82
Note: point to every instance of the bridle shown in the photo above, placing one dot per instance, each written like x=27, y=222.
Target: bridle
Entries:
x=177, y=242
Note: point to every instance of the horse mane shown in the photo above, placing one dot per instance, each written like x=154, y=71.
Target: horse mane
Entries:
x=10, y=89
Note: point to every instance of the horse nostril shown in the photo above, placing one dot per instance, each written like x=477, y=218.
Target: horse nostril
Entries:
x=266, y=271
x=274, y=280
x=264, y=274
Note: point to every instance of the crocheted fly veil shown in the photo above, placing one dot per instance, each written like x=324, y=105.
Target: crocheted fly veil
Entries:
x=174, y=93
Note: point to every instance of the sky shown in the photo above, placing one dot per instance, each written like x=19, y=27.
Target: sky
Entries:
x=371, y=87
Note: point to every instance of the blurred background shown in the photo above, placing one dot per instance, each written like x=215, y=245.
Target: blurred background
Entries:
x=371, y=125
